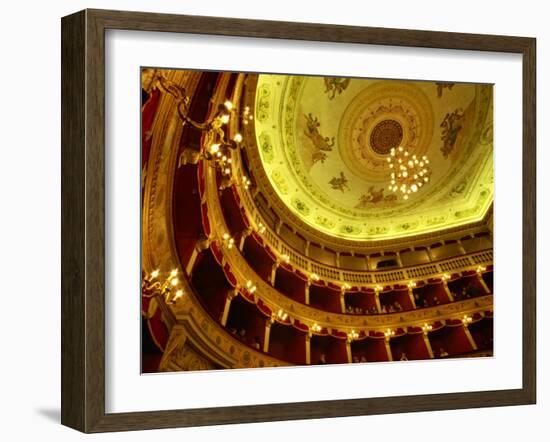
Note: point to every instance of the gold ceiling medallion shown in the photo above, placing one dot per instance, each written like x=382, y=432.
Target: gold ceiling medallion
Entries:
x=325, y=161
x=408, y=173
x=385, y=136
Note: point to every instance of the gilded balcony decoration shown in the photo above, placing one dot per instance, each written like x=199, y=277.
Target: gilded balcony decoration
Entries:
x=273, y=235
x=328, y=157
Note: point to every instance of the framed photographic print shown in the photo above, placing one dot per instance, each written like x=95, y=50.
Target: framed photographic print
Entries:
x=267, y=221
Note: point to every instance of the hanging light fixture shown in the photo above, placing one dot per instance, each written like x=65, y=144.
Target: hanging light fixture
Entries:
x=217, y=146
x=408, y=172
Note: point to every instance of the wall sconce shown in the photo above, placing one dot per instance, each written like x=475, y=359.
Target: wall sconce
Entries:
x=316, y=328
x=426, y=328
x=219, y=146
x=261, y=228
x=151, y=287
x=250, y=287
x=228, y=242
x=245, y=182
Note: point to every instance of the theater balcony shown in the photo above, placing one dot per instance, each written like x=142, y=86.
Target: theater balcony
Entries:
x=244, y=268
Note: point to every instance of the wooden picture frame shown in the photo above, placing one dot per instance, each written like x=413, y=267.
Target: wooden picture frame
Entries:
x=83, y=220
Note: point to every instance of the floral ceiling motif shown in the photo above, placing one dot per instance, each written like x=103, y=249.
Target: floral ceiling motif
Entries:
x=324, y=145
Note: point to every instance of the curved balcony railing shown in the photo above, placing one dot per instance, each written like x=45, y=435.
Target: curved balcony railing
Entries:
x=313, y=323
x=276, y=301
x=338, y=276
x=307, y=265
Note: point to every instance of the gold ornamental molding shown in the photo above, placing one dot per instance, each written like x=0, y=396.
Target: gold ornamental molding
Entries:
x=306, y=314
x=287, y=216
x=336, y=275
x=186, y=317
x=196, y=337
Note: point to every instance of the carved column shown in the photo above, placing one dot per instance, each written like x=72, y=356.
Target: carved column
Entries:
x=306, y=294
x=368, y=262
x=274, y=268
x=428, y=344
x=308, y=349
x=227, y=306
x=245, y=235
x=461, y=247
x=202, y=244
x=446, y=287
x=266, y=334
x=398, y=259
x=348, y=351
x=483, y=284
x=176, y=342
x=278, y=227
x=377, y=300
x=411, y=296
x=469, y=336
x=343, y=301
x=429, y=251
x=388, y=348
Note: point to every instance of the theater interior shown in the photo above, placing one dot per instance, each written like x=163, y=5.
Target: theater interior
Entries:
x=306, y=220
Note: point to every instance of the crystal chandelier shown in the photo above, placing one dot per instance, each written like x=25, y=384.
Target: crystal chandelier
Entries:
x=408, y=172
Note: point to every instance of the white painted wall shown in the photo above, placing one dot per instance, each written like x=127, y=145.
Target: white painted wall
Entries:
x=30, y=216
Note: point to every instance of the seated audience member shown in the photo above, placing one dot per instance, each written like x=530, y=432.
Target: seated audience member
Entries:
x=322, y=359
x=363, y=358
x=257, y=343
x=404, y=357
x=442, y=353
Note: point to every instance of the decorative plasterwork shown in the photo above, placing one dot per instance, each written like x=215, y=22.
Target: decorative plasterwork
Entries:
x=325, y=154
x=307, y=314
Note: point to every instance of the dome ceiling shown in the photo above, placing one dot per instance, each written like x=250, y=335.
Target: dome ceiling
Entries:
x=324, y=144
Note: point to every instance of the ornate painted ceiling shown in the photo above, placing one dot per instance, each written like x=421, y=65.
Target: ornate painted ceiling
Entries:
x=324, y=144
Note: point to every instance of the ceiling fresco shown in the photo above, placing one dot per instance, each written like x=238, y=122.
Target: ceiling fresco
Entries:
x=324, y=144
